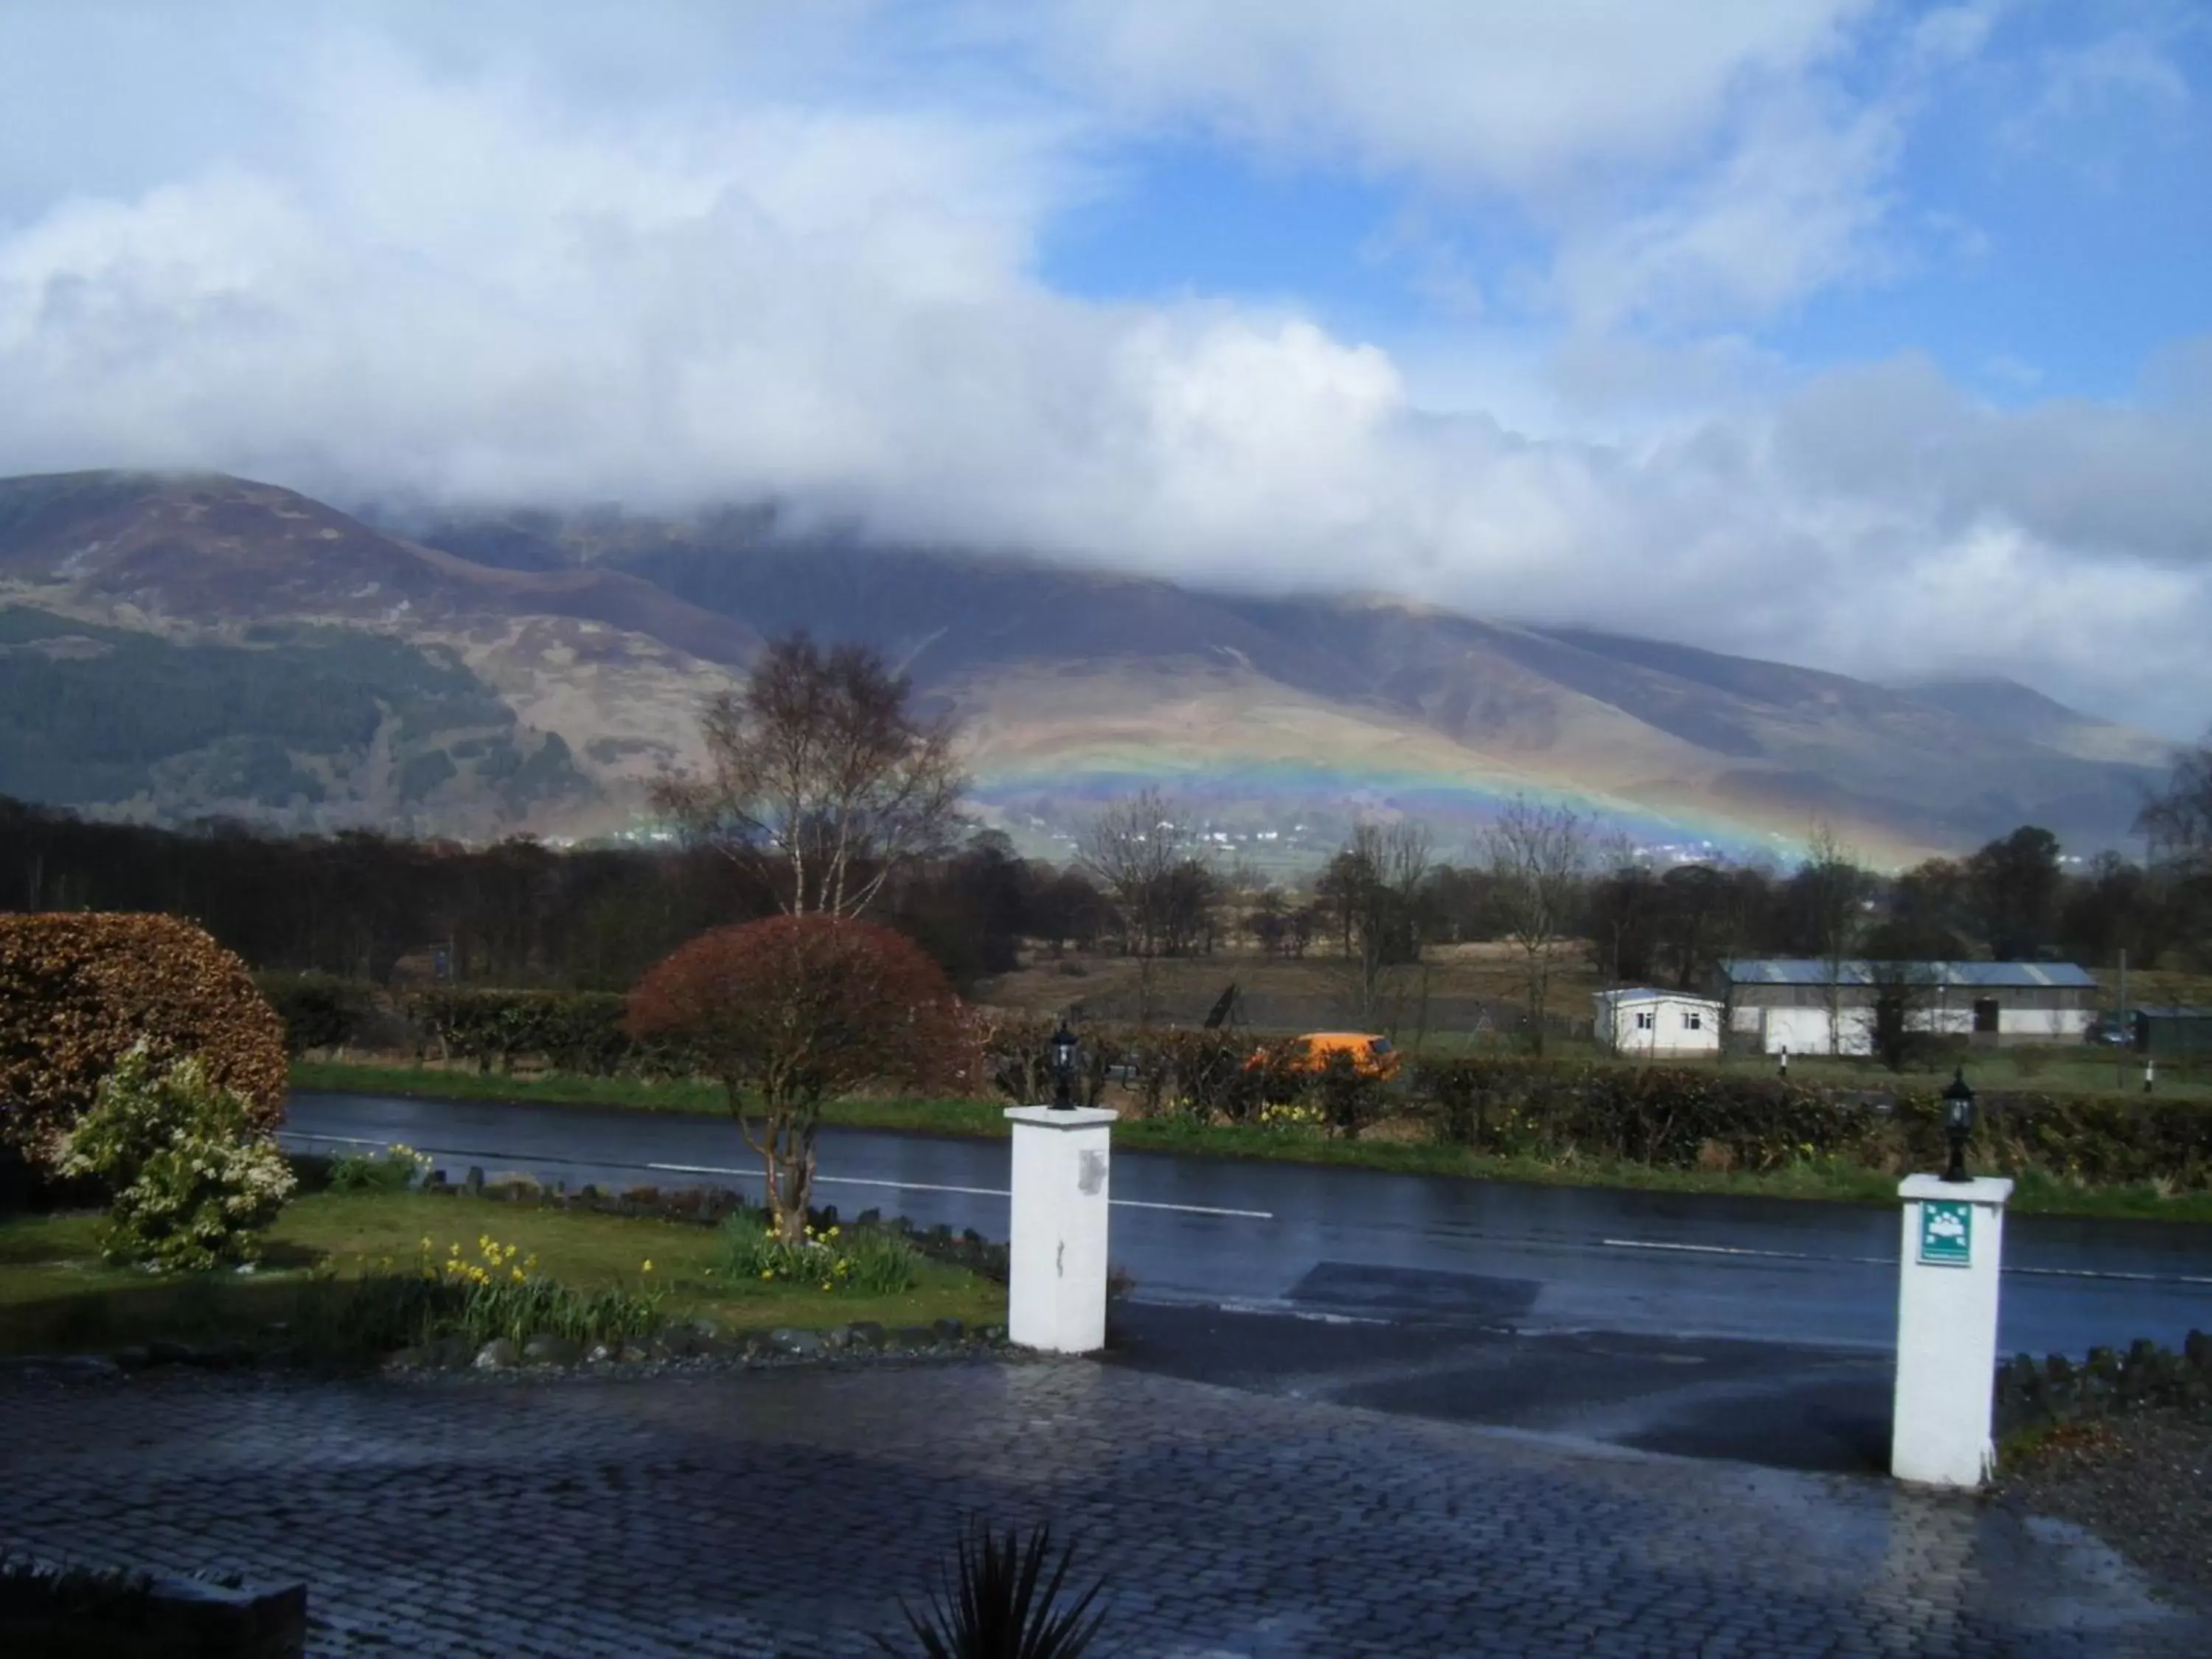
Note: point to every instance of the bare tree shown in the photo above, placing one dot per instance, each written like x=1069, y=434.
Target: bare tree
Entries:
x=821, y=776
x=1835, y=891
x=1375, y=882
x=1539, y=857
x=1143, y=853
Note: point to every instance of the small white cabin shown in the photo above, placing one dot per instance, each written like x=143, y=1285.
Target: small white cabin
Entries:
x=1649, y=1022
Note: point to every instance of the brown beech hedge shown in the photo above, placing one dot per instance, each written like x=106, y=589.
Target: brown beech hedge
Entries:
x=77, y=990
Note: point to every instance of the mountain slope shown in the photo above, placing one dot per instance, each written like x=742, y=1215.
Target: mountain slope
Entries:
x=603, y=631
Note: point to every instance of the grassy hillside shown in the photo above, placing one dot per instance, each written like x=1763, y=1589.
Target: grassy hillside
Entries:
x=291, y=719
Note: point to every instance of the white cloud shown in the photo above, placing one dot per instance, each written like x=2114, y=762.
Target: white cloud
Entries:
x=479, y=278
x=1510, y=97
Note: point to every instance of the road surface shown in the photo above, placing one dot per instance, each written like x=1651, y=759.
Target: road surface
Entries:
x=1758, y=1327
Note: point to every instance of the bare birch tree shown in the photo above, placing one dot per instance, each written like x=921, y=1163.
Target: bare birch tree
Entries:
x=1142, y=852
x=820, y=776
x=1538, y=860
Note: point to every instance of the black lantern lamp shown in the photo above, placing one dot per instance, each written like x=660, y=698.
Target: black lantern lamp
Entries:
x=1958, y=1123
x=1063, y=1069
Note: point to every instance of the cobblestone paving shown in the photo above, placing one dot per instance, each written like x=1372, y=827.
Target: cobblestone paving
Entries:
x=785, y=1513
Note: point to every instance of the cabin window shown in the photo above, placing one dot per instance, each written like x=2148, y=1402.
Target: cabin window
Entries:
x=1693, y=1019
x=1643, y=1019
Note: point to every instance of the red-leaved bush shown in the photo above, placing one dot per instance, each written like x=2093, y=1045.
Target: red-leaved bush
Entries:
x=799, y=1010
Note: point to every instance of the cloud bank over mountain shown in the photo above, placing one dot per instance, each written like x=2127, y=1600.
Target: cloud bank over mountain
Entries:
x=694, y=253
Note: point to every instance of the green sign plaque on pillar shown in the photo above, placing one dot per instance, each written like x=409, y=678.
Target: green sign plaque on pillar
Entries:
x=1946, y=1235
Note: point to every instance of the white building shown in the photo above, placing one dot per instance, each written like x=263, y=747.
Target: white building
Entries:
x=1647, y=1021
x=1810, y=1007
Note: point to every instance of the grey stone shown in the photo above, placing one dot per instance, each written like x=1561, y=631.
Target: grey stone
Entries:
x=497, y=1354
x=803, y=1344
x=547, y=1349
x=599, y=1354
x=866, y=1334
x=171, y=1354
x=473, y=1185
x=133, y=1358
x=912, y=1336
x=948, y=1330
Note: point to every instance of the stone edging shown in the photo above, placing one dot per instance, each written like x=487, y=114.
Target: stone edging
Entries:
x=2107, y=1382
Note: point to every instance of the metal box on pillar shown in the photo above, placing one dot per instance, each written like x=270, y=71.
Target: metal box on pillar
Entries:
x=1056, y=1243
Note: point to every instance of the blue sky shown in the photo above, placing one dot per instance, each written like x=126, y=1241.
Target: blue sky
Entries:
x=1867, y=334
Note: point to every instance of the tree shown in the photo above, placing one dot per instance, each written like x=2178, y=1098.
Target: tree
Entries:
x=799, y=1011
x=1375, y=885
x=1537, y=857
x=1902, y=986
x=821, y=776
x=1829, y=895
x=1142, y=852
x=2176, y=822
x=2015, y=884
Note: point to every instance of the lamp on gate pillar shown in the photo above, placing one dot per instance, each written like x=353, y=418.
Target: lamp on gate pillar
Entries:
x=1063, y=1067
x=1958, y=1123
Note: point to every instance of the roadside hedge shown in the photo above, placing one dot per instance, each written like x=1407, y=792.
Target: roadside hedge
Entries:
x=77, y=990
x=576, y=1032
x=1683, y=1117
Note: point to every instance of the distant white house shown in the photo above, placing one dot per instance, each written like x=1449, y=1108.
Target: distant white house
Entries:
x=1647, y=1021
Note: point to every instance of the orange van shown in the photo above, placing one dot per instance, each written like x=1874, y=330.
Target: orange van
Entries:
x=1372, y=1055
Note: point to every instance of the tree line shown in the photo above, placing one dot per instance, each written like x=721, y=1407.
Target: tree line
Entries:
x=824, y=792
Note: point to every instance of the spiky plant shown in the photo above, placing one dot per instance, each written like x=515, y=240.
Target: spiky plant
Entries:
x=1000, y=1605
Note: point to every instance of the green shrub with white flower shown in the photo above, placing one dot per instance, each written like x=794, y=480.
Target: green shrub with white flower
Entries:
x=394, y=1170
x=193, y=1181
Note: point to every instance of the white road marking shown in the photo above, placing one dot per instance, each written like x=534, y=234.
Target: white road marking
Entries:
x=1891, y=1262
x=974, y=1192
x=1732, y=1250
x=755, y=1175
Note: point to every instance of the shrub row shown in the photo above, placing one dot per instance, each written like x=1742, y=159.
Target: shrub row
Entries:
x=1681, y=1117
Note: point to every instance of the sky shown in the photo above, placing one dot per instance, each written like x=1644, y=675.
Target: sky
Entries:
x=1869, y=336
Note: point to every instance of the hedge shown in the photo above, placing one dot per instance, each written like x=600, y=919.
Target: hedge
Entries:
x=1681, y=1117
x=77, y=990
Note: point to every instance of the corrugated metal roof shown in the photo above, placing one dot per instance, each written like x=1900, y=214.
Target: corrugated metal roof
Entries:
x=1628, y=997
x=1993, y=975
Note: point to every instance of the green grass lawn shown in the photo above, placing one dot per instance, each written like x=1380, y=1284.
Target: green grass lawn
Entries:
x=1829, y=1179
x=56, y=1296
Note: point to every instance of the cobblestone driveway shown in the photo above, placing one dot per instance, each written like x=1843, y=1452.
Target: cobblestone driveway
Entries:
x=785, y=1512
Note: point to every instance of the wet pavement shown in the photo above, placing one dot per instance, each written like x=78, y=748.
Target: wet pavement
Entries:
x=788, y=1513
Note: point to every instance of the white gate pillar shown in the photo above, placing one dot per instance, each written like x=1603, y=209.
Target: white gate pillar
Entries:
x=1056, y=1239
x=1947, y=1329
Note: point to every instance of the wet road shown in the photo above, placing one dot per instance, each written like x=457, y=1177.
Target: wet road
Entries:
x=1354, y=1245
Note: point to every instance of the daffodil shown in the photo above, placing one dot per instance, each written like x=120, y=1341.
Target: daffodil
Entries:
x=648, y=1266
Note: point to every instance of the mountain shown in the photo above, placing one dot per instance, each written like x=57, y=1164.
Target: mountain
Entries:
x=179, y=646
x=2008, y=707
